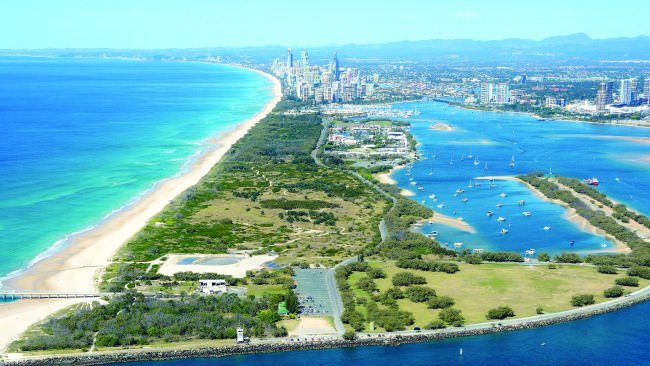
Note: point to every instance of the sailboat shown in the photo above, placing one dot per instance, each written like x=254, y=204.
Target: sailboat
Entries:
x=433, y=155
x=470, y=155
x=451, y=161
x=485, y=167
x=512, y=161
x=470, y=184
x=476, y=162
x=431, y=172
x=462, y=157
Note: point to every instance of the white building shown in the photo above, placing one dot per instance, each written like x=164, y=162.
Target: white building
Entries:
x=213, y=286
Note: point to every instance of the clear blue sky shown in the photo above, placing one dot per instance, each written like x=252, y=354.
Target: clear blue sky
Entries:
x=199, y=23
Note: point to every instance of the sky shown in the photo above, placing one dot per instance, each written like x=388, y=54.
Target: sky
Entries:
x=148, y=24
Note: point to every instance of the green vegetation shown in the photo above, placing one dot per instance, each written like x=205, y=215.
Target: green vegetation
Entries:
x=615, y=291
x=582, y=300
x=500, y=313
x=132, y=319
x=627, y=281
x=408, y=279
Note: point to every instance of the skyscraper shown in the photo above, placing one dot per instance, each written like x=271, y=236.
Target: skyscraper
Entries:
x=334, y=67
x=523, y=78
x=601, y=99
x=628, y=91
x=487, y=93
x=503, y=93
x=289, y=59
x=646, y=89
x=304, y=59
x=609, y=92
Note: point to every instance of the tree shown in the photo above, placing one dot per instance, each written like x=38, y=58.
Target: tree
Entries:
x=291, y=301
x=367, y=284
x=501, y=312
x=639, y=271
x=615, y=291
x=568, y=258
x=350, y=335
x=407, y=279
x=440, y=302
x=420, y=293
x=606, y=269
x=376, y=273
x=539, y=310
x=582, y=300
x=544, y=257
x=627, y=281
x=452, y=316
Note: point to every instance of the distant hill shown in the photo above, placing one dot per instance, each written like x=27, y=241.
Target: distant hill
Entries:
x=572, y=49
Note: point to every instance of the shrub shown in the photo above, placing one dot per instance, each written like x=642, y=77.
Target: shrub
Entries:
x=501, y=312
x=452, y=316
x=367, y=284
x=544, y=257
x=436, y=324
x=643, y=272
x=420, y=293
x=568, y=258
x=350, y=335
x=376, y=273
x=539, y=310
x=440, y=302
x=582, y=300
x=627, y=281
x=394, y=293
x=615, y=291
x=407, y=279
x=607, y=269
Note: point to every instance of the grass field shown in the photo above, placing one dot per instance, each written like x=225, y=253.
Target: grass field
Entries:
x=479, y=288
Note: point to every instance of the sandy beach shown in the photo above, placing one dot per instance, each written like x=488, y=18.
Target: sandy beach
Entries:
x=570, y=215
x=386, y=177
x=441, y=127
x=77, y=267
x=439, y=218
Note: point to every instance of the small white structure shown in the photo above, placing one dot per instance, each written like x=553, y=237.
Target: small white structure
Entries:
x=240, y=336
x=213, y=286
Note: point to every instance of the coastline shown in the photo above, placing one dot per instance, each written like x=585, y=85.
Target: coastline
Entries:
x=439, y=218
x=388, y=339
x=78, y=266
x=571, y=215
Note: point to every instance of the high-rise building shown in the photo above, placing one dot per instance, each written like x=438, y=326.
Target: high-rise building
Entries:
x=646, y=89
x=609, y=92
x=523, y=78
x=304, y=59
x=335, y=68
x=487, y=93
x=503, y=93
x=289, y=60
x=601, y=99
x=628, y=91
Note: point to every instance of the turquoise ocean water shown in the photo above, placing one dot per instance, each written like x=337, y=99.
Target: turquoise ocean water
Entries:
x=81, y=138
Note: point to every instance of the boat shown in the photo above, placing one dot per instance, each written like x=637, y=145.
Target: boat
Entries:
x=434, y=233
x=592, y=181
x=420, y=188
x=521, y=203
x=430, y=222
x=470, y=185
x=413, y=183
x=459, y=218
x=458, y=245
x=485, y=167
x=470, y=155
x=504, y=231
x=503, y=195
x=462, y=157
x=530, y=252
x=547, y=228
x=501, y=219
x=512, y=161
x=432, y=196
x=451, y=160
x=489, y=213
x=442, y=205
x=431, y=172
x=476, y=162
x=526, y=213
x=464, y=199
x=478, y=250
x=499, y=205
x=459, y=191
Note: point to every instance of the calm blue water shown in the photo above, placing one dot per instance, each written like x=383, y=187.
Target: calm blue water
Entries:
x=570, y=149
x=83, y=137
x=610, y=339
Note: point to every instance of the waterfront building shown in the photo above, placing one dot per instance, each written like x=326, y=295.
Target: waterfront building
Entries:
x=503, y=93
x=487, y=93
x=609, y=92
x=628, y=91
x=550, y=102
x=522, y=78
x=601, y=99
x=646, y=89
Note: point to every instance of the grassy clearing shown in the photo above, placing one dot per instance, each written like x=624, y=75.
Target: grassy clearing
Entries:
x=479, y=288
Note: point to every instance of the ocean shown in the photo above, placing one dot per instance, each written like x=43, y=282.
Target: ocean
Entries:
x=82, y=138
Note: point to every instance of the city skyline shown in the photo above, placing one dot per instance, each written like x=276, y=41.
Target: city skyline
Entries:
x=173, y=24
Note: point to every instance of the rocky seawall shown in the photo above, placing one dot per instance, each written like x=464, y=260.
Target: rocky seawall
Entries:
x=387, y=339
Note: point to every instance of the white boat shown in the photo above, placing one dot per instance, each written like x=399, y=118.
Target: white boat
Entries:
x=451, y=160
x=526, y=213
x=503, y=195
x=430, y=222
x=485, y=167
x=478, y=250
x=489, y=213
x=470, y=155
x=420, y=188
x=431, y=172
x=464, y=199
x=476, y=162
x=547, y=228
x=498, y=205
x=501, y=219
x=504, y=231
x=458, y=245
x=432, y=196
x=512, y=161
x=413, y=183
x=442, y=205
x=462, y=157
x=530, y=252
x=459, y=190
x=521, y=203
x=470, y=185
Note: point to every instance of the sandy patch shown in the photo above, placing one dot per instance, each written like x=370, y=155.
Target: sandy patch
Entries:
x=441, y=127
x=245, y=263
x=439, y=218
x=406, y=193
x=312, y=326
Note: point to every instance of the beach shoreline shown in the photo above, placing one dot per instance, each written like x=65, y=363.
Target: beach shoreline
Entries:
x=77, y=267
